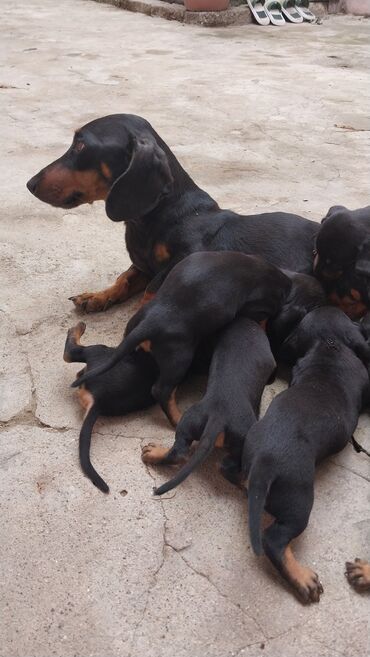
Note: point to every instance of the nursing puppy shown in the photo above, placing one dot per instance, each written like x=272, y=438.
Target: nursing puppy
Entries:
x=314, y=418
x=201, y=294
x=305, y=295
x=126, y=388
x=342, y=258
x=242, y=364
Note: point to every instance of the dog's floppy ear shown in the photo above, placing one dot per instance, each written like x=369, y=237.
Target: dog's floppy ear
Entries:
x=291, y=347
x=333, y=210
x=362, y=265
x=356, y=341
x=146, y=180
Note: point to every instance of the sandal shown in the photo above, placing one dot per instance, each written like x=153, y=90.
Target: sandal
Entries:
x=258, y=11
x=302, y=7
x=273, y=10
x=289, y=9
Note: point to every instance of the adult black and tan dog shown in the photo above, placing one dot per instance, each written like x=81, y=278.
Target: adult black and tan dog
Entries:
x=120, y=159
x=314, y=418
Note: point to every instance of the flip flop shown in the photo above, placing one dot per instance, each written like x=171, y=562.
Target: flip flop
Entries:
x=302, y=7
x=273, y=10
x=258, y=11
x=289, y=9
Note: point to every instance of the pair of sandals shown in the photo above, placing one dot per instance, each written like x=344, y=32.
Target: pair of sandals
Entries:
x=276, y=11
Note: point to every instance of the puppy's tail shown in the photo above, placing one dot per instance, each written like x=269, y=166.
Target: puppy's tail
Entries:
x=127, y=346
x=259, y=483
x=206, y=444
x=84, y=447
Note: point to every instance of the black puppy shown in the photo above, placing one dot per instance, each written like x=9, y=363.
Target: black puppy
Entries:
x=242, y=364
x=121, y=160
x=201, y=294
x=314, y=418
x=342, y=260
x=126, y=388
x=305, y=295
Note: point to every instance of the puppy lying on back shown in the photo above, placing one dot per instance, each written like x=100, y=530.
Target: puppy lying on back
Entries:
x=314, y=418
x=201, y=294
x=126, y=388
x=242, y=364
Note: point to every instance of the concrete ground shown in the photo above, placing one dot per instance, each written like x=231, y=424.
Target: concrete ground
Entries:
x=263, y=118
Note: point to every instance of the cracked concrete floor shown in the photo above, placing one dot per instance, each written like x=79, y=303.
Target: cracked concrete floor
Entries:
x=261, y=118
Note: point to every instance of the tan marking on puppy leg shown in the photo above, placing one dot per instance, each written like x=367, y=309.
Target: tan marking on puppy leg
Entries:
x=358, y=574
x=146, y=346
x=304, y=580
x=355, y=294
x=85, y=398
x=74, y=336
x=173, y=411
x=220, y=440
x=153, y=453
x=161, y=252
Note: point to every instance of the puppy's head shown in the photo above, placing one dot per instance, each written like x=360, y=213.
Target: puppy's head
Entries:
x=328, y=325
x=306, y=294
x=342, y=260
x=118, y=159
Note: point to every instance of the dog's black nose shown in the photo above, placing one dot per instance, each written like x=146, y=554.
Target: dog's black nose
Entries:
x=32, y=184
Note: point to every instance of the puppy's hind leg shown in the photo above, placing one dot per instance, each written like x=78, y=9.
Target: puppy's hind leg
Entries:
x=276, y=543
x=173, y=366
x=185, y=434
x=73, y=350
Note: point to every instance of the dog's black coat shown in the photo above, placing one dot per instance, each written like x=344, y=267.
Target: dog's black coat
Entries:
x=305, y=295
x=241, y=365
x=126, y=388
x=160, y=203
x=201, y=294
x=314, y=418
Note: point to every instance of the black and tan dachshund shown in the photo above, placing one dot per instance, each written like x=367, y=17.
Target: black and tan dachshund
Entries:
x=200, y=295
x=126, y=388
x=315, y=417
x=121, y=160
x=241, y=366
x=342, y=260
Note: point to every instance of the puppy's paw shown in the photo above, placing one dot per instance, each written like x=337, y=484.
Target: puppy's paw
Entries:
x=358, y=574
x=309, y=587
x=152, y=453
x=92, y=302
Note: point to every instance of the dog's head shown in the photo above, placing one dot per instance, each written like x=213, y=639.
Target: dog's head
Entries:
x=342, y=260
x=329, y=325
x=118, y=159
x=305, y=294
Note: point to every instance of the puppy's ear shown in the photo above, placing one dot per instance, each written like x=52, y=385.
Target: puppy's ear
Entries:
x=291, y=348
x=139, y=189
x=333, y=210
x=365, y=326
x=362, y=265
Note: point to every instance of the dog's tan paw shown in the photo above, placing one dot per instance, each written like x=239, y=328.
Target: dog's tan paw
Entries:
x=358, y=574
x=152, y=453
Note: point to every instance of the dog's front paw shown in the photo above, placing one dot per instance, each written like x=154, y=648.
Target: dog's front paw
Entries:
x=358, y=574
x=309, y=586
x=92, y=302
x=152, y=453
